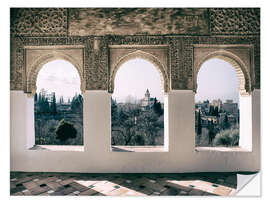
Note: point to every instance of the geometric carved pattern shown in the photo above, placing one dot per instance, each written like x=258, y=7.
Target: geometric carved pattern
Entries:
x=126, y=53
x=235, y=21
x=38, y=21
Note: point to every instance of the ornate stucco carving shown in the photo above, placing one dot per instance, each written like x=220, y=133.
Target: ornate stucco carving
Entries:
x=96, y=56
x=239, y=56
x=130, y=21
x=187, y=44
x=36, y=57
x=180, y=29
x=121, y=54
x=18, y=59
x=38, y=21
x=235, y=21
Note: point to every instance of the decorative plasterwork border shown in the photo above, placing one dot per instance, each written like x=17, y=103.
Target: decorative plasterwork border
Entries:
x=18, y=59
x=97, y=57
x=157, y=55
x=239, y=56
x=40, y=55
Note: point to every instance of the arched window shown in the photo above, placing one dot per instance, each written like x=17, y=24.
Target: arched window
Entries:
x=137, y=105
x=58, y=105
x=217, y=116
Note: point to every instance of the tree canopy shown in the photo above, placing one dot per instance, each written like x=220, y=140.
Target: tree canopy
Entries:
x=132, y=125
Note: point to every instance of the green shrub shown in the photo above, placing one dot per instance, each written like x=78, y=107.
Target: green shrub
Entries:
x=227, y=138
x=235, y=137
x=64, y=131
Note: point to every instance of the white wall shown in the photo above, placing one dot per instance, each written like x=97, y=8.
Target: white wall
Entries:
x=98, y=157
x=245, y=122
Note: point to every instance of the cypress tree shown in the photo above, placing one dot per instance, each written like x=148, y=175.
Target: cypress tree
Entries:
x=157, y=107
x=53, y=107
x=211, y=132
x=35, y=97
x=39, y=98
x=216, y=111
x=46, y=105
x=199, y=128
x=226, y=122
x=211, y=110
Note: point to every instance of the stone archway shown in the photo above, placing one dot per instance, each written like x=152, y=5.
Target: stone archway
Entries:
x=37, y=64
x=142, y=55
x=242, y=72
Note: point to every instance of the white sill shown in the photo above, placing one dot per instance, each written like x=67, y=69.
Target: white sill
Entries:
x=78, y=148
x=138, y=149
x=221, y=149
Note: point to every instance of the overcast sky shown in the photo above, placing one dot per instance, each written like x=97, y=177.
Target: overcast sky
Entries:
x=216, y=79
x=61, y=77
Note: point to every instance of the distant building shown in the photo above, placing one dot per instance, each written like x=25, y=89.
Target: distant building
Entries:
x=147, y=101
x=230, y=107
x=217, y=103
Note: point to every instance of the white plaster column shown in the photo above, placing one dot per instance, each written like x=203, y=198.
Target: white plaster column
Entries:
x=96, y=121
x=30, y=122
x=245, y=103
x=256, y=126
x=181, y=122
x=18, y=126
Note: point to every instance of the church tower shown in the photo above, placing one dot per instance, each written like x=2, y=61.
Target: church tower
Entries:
x=147, y=94
x=145, y=101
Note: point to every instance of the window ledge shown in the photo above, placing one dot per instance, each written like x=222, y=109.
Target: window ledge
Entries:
x=221, y=149
x=58, y=148
x=138, y=149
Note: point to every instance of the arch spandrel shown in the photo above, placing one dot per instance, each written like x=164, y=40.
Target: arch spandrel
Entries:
x=242, y=72
x=36, y=66
x=142, y=55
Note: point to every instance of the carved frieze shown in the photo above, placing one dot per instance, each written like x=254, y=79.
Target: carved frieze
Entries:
x=133, y=21
x=96, y=56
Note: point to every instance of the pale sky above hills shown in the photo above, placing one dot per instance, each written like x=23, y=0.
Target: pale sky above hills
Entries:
x=216, y=79
x=134, y=77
